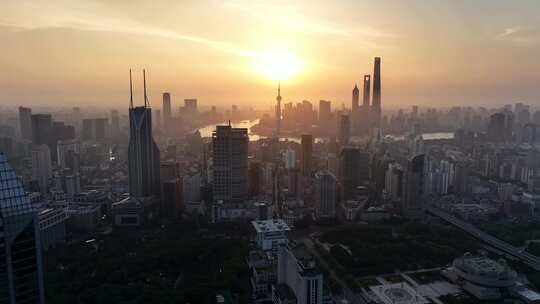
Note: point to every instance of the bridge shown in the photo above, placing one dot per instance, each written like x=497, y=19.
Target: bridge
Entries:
x=527, y=258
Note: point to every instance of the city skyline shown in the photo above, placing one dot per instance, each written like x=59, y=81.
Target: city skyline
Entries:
x=86, y=47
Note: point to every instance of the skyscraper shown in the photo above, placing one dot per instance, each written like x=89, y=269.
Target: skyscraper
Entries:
x=325, y=114
x=41, y=129
x=25, y=122
x=325, y=194
x=166, y=107
x=376, y=106
x=230, y=150
x=190, y=106
x=344, y=130
x=355, y=99
x=365, y=117
x=21, y=270
x=354, y=170
x=307, y=154
x=41, y=166
x=367, y=91
x=143, y=153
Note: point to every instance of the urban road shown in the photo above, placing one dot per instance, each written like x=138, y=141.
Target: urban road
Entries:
x=527, y=258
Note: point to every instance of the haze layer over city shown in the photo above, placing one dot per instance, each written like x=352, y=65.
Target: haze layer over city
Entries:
x=269, y=152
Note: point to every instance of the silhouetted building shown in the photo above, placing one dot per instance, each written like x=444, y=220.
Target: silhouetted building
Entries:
x=41, y=129
x=325, y=194
x=354, y=170
x=307, y=155
x=25, y=122
x=376, y=105
x=496, y=127
x=143, y=153
x=325, y=114
x=21, y=270
x=365, y=111
x=230, y=150
x=166, y=107
x=414, y=186
x=344, y=130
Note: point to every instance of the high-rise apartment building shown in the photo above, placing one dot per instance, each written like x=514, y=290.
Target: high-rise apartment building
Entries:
x=230, y=172
x=21, y=268
x=354, y=170
x=325, y=114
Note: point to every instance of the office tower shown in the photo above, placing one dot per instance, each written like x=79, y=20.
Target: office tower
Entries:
x=69, y=154
x=41, y=129
x=59, y=131
x=299, y=279
x=354, y=170
x=166, y=107
x=509, y=126
x=190, y=106
x=289, y=158
x=414, y=186
x=496, y=127
x=101, y=128
x=255, y=179
x=325, y=114
x=230, y=150
x=528, y=133
x=41, y=166
x=143, y=153
x=367, y=91
x=393, y=185
x=88, y=129
x=21, y=268
x=523, y=117
x=115, y=123
x=171, y=198
x=344, y=130
x=325, y=194
x=25, y=122
x=355, y=99
x=364, y=116
x=376, y=106
x=307, y=155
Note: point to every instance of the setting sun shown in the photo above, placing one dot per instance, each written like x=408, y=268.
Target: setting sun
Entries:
x=278, y=64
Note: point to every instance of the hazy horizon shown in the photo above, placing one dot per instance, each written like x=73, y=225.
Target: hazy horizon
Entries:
x=434, y=53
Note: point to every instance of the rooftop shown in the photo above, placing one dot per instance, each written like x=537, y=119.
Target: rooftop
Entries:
x=276, y=225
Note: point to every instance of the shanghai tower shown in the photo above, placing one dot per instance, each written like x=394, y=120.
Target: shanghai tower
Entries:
x=143, y=153
x=376, y=104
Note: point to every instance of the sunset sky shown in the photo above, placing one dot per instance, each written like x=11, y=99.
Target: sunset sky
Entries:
x=438, y=53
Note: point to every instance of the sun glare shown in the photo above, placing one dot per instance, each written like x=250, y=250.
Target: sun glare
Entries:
x=278, y=64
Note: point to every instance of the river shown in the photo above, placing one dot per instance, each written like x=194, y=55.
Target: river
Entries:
x=206, y=131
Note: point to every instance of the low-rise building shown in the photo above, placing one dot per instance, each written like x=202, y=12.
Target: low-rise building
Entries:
x=482, y=277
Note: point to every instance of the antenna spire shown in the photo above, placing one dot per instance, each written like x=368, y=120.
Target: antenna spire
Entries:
x=130, y=90
x=144, y=82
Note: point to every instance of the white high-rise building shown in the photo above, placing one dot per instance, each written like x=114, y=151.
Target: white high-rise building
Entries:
x=299, y=280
